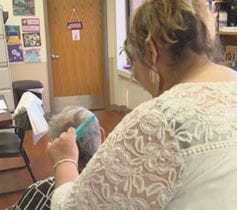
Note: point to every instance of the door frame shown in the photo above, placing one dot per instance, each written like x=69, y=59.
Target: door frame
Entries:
x=105, y=57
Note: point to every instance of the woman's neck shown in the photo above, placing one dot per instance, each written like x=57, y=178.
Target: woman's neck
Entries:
x=183, y=72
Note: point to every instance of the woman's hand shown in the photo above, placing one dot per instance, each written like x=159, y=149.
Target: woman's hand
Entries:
x=64, y=147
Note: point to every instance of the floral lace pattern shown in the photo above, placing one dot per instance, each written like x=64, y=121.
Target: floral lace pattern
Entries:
x=141, y=163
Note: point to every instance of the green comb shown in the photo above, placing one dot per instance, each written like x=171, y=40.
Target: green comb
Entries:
x=80, y=130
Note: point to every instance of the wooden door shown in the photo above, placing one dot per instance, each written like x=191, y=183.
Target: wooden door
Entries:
x=77, y=66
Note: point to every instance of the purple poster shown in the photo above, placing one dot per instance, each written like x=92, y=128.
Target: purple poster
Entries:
x=15, y=53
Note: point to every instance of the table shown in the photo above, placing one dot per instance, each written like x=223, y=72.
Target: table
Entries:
x=5, y=118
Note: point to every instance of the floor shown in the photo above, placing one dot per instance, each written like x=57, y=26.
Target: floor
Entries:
x=39, y=160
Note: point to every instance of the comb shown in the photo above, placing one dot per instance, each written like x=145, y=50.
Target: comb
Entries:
x=80, y=130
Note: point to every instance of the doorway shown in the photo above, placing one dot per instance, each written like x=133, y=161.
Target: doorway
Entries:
x=78, y=65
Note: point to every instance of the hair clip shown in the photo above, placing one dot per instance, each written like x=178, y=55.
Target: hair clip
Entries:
x=80, y=130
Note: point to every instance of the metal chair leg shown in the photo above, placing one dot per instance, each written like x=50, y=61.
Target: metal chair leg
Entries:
x=25, y=154
x=28, y=166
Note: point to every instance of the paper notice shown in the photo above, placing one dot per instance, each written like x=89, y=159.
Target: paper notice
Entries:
x=75, y=35
x=3, y=104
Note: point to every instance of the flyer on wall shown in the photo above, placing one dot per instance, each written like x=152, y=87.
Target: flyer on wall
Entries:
x=30, y=24
x=13, y=34
x=15, y=53
x=23, y=7
x=31, y=39
x=32, y=55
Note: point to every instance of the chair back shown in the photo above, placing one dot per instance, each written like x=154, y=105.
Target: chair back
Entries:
x=13, y=144
x=22, y=123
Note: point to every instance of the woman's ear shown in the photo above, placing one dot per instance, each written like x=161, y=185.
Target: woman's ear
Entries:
x=102, y=134
x=151, y=51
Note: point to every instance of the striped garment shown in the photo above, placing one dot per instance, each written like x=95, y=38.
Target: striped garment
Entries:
x=37, y=196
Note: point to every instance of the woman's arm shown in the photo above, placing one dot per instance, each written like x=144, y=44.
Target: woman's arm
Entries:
x=64, y=154
x=65, y=172
x=138, y=167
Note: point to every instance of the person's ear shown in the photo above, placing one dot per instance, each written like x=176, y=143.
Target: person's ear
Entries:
x=102, y=134
x=151, y=51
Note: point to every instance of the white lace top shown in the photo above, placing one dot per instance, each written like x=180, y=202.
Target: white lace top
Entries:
x=174, y=152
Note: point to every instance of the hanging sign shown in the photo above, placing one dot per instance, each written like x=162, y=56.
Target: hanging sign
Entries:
x=75, y=26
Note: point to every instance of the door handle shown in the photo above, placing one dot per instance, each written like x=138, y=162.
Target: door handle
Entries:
x=54, y=55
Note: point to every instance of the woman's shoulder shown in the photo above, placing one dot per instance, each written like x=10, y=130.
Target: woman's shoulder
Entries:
x=195, y=91
x=200, y=88
x=186, y=98
x=189, y=92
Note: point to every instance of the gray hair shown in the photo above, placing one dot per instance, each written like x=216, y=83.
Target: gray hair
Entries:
x=73, y=116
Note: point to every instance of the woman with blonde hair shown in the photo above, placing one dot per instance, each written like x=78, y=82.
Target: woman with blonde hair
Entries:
x=176, y=151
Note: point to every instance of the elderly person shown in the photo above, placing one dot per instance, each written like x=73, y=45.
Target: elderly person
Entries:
x=72, y=116
x=38, y=195
x=176, y=151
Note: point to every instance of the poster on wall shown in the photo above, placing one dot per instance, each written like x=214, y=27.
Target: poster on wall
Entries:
x=32, y=55
x=30, y=24
x=13, y=35
x=31, y=39
x=23, y=7
x=15, y=53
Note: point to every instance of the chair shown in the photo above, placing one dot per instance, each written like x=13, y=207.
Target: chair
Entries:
x=11, y=143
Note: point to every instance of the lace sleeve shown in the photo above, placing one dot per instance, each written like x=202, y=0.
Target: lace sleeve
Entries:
x=138, y=167
x=60, y=196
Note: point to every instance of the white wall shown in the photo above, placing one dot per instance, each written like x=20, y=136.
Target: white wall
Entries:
x=120, y=79
x=135, y=95
x=31, y=71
